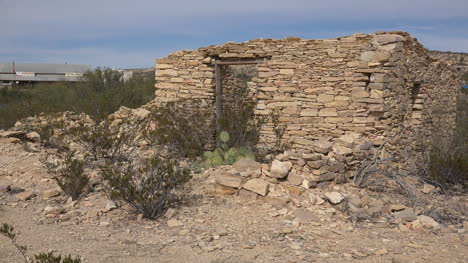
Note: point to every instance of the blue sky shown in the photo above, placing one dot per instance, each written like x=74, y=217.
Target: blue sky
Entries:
x=132, y=33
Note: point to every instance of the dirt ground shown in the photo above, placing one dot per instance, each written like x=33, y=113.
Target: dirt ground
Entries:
x=204, y=229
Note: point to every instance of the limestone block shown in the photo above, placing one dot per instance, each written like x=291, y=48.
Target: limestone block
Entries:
x=295, y=179
x=379, y=77
x=377, y=94
x=257, y=186
x=227, y=179
x=166, y=72
x=386, y=39
x=164, y=66
x=312, y=156
x=286, y=72
x=280, y=169
x=328, y=112
x=375, y=56
x=303, y=141
x=309, y=112
x=325, y=98
x=316, y=164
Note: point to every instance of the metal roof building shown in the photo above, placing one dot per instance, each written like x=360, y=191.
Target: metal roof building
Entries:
x=35, y=72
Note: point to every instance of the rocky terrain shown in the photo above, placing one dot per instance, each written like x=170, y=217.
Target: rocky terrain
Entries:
x=238, y=213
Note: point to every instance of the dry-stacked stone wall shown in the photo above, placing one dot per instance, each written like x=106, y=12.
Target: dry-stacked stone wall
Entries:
x=333, y=94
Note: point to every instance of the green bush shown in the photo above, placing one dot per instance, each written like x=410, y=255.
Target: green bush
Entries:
x=100, y=93
x=69, y=175
x=147, y=186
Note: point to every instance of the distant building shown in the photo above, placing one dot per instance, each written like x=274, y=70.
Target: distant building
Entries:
x=20, y=73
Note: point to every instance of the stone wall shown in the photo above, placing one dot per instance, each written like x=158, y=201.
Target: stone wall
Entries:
x=457, y=60
x=332, y=94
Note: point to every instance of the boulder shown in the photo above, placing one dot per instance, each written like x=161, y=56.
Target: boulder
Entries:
x=51, y=210
x=33, y=136
x=50, y=193
x=334, y=197
x=257, y=186
x=375, y=56
x=218, y=189
x=248, y=168
x=405, y=215
x=295, y=179
x=322, y=145
x=227, y=179
x=428, y=188
x=280, y=169
x=26, y=195
x=428, y=222
x=385, y=39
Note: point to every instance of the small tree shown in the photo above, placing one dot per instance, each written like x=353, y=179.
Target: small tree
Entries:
x=147, y=186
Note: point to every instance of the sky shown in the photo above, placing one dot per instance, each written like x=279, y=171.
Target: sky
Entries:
x=133, y=33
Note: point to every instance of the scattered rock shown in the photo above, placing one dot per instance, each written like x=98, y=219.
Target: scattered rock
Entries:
x=139, y=217
x=5, y=188
x=305, y=216
x=50, y=193
x=396, y=208
x=33, y=136
x=258, y=186
x=50, y=210
x=111, y=205
x=334, y=197
x=406, y=215
x=26, y=195
x=226, y=179
x=218, y=189
x=174, y=223
x=295, y=179
x=428, y=188
x=428, y=222
x=247, y=195
x=276, y=202
x=322, y=145
x=381, y=251
x=280, y=169
x=170, y=213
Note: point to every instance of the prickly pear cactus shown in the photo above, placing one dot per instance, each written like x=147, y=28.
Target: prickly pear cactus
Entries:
x=224, y=136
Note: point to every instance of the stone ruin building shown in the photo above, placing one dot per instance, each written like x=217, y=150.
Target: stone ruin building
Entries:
x=332, y=94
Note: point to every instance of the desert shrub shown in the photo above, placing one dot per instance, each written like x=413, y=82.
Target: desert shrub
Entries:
x=279, y=129
x=100, y=93
x=8, y=231
x=147, y=186
x=69, y=175
x=50, y=130
x=50, y=257
x=101, y=141
x=184, y=128
x=448, y=161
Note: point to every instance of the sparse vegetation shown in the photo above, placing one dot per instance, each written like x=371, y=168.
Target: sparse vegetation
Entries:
x=225, y=155
x=148, y=186
x=8, y=231
x=183, y=128
x=70, y=175
x=99, y=94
